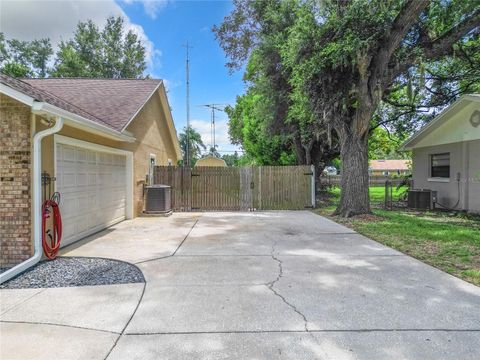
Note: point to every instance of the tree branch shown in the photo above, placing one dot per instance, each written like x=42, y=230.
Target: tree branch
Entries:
x=444, y=44
x=439, y=47
x=402, y=24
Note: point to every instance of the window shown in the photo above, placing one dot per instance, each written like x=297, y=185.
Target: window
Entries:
x=440, y=165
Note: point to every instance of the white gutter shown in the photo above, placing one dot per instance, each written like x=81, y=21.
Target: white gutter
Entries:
x=80, y=122
x=70, y=118
x=37, y=201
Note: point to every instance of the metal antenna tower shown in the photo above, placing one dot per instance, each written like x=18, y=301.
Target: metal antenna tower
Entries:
x=187, y=68
x=218, y=107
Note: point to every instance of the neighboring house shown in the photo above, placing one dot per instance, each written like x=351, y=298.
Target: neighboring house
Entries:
x=446, y=155
x=389, y=167
x=210, y=161
x=98, y=137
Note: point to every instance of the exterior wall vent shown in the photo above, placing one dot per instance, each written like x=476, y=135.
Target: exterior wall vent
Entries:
x=158, y=199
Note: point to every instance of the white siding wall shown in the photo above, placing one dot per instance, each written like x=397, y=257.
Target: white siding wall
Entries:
x=447, y=191
x=464, y=159
x=473, y=199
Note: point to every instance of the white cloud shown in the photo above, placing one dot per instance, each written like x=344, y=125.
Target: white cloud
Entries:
x=57, y=20
x=170, y=85
x=203, y=127
x=151, y=7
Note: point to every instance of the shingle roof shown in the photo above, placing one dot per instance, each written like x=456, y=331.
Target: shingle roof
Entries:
x=44, y=96
x=389, y=164
x=111, y=102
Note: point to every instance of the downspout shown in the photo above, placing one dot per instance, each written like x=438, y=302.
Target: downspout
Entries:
x=37, y=201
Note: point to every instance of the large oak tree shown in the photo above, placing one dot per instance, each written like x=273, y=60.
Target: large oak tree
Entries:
x=352, y=57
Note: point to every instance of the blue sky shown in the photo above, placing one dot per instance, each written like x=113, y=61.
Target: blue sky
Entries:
x=163, y=26
x=170, y=25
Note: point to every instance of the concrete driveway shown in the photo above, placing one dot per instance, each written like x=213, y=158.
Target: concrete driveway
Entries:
x=266, y=285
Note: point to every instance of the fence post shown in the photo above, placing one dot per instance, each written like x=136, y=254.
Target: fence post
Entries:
x=388, y=203
x=313, y=192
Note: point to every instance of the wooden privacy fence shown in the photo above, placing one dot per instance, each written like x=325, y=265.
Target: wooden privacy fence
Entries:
x=238, y=188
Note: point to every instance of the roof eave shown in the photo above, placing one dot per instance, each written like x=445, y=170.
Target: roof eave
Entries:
x=17, y=95
x=142, y=106
x=71, y=119
x=168, y=115
x=80, y=122
x=411, y=142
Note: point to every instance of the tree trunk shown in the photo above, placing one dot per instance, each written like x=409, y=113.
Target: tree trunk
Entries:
x=308, y=158
x=299, y=152
x=308, y=152
x=354, y=198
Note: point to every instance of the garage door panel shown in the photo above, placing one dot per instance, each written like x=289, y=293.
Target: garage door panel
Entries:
x=68, y=154
x=82, y=223
x=92, y=185
x=68, y=204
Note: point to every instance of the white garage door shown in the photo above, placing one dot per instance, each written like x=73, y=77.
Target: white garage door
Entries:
x=92, y=185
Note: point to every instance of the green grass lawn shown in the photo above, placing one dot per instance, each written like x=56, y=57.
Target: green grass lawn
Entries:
x=377, y=194
x=448, y=242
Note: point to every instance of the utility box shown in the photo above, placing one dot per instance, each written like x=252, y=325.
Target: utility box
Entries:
x=422, y=199
x=158, y=199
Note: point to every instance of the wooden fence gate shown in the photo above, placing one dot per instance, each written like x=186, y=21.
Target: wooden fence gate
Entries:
x=239, y=188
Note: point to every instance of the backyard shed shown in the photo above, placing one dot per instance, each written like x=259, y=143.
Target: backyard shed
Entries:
x=211, y=161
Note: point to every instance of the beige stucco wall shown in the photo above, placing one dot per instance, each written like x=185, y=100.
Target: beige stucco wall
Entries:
x=150, y=129
x=464, y=160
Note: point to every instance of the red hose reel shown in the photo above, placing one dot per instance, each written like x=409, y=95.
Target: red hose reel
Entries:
x=51, y=236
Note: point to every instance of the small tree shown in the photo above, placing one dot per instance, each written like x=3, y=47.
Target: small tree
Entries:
x=111, y=52
x=24, y=58
x=195, y=142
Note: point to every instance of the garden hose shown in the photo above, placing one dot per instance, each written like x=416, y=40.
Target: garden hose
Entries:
x=51, y=238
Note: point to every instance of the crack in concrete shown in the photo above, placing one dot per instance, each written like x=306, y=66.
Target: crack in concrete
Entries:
x=271, y=285
x=55, y=324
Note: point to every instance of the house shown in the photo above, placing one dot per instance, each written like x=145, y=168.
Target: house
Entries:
x=389, y=167
x=210, y=161
x=446, y=155
x=98, y=138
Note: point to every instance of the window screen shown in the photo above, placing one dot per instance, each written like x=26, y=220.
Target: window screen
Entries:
x=440, y=165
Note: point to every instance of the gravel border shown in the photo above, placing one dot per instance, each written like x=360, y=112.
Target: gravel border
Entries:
x=76, y=271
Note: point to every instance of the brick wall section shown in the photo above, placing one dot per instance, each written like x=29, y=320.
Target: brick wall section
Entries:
x=15, y=190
